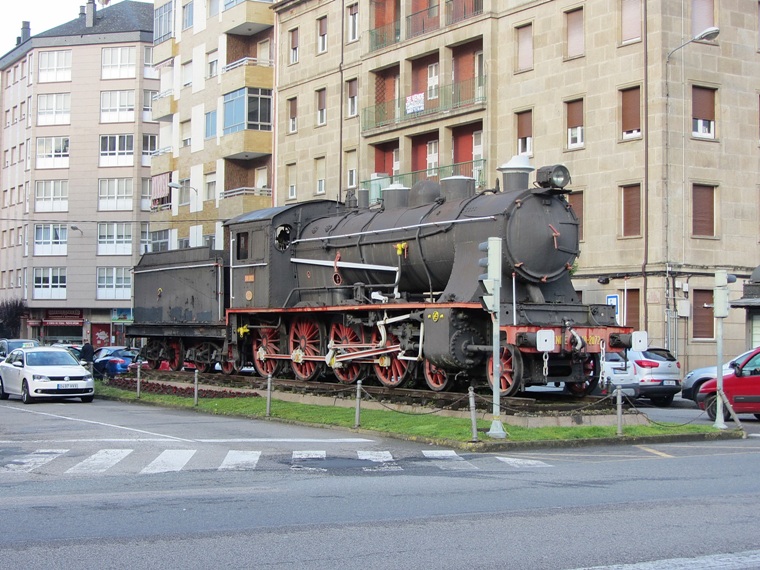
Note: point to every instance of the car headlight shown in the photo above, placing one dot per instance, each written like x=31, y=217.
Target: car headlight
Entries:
x=87, y=377
x=40, y=378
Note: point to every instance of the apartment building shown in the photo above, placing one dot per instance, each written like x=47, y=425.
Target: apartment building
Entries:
x=653, y=107
x=215, y=109
x=76, y=145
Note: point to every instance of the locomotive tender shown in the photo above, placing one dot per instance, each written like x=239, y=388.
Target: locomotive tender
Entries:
x=392, y=291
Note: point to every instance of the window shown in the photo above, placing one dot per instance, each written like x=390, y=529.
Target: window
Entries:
x=52, y=152
x=525, y=133
x=293, y=45
x=55, y=66
x=703, y=112
x=149, y=146
x=117, y=106
x=187, y=15
x=115, y=238
x=144, y=237
x=162, y=23
x=241, y=240
x=702, y=16
x=322, y=35
x=187, y=73
x=703, y=211
x=292, y=115
x=145, y=194
x=114, y=194
x=351, y=178
x=631, y=210
x=119, y=62
x=630, y=20
x=248, y=108
x=186, y=133
x=631, y=113
x=114, y=283
x=352, y=22
x=525, y=47
x=212, y=64
x=352, y=99
x=575, y=44
x=575, y=199
x=213, y=7
x=54, y=109
x=432, y=81
x=148, y=70
x=319, y=175
x=321, y=106
x=49, y=283
x=50, y=239
x=117, y=150
x=702, y=318
x=292, y=195
x=210, y=186
x=183, y=193
x=51, y=196
x=210, y=130
x=159, y=241
x=148, y=95
x=574, y=111
x=432, y=158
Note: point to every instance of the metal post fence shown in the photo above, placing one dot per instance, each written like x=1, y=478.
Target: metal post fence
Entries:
x=195, y=388
x=269, y=395
x=358, y=403
x=473, y=417
x=138, y=380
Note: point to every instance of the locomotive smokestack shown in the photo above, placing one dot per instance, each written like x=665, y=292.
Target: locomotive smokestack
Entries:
x=515, y=173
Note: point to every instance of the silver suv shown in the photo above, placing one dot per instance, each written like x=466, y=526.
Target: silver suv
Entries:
x=655, y=370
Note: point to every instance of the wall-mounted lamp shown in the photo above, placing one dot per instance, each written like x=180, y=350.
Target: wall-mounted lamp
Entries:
x=76, y=228
x=603, y=280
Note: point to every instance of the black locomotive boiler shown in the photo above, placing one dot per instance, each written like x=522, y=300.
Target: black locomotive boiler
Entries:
x=392, y=290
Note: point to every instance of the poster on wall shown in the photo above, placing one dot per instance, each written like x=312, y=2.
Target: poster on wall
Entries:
x=101, y=334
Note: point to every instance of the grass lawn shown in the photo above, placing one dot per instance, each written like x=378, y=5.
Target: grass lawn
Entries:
x=389, y=422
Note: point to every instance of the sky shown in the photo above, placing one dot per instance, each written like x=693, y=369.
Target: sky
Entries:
x=41, y=15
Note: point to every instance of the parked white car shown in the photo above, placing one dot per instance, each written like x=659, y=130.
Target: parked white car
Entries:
x=44, y=372
x=654, y=371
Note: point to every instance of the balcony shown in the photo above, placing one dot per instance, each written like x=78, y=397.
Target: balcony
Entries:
x=247, y=17
x=163, y=106
x=423, y=21
x=384, y=36
x=459, y=10
x=247, y=72
x=237, y=200
x=167, y=49
x=474, y=169
x=460, y=95
x=246, y=144
x=162, y=161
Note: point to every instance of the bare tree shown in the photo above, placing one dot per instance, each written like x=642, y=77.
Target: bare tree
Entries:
x=10, y=317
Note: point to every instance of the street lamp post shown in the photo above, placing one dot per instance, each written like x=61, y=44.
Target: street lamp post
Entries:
x=179, y=186
x=709, y=34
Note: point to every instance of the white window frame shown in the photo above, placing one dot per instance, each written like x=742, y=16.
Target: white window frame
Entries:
x=120, y=150
x=53, y=109
x=114, y=283
x=115, y=194
x=321, y=38
x=352, y=22
x=146, y=186
x=50, y=239
x=54, y=66
x=187, y=15
x=51, y=196
x=114, y=238
x=119, y=62
x=52, y=152
x=431, y=158
x=575, y=137
x=49, y=283
x=703, y=128
x=117, y=106
x=149, y=147
x=432, y=81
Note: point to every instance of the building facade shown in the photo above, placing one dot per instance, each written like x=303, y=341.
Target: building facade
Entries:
x=76, y=145
x=653, y=107
x=215, y=108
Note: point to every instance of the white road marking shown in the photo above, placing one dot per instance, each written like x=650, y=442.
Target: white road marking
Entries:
x=515, y=462
x=240, y=460
x=32, y=461
x=286, y=440
x=169, y=460
x=385, y=458
x=730, y=561
x=448, y=460
x=299, y=456
x=100, y=461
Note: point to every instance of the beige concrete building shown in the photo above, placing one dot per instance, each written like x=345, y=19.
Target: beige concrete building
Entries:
x=215, y=109
x=659, y=129
x=76, y=143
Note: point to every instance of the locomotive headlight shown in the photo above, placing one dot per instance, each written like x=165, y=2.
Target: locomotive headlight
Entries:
x=554, y=176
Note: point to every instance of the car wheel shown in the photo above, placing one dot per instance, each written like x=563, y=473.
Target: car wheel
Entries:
x=25, y=396
x=3, y=395
x=662, y=401
x=710, y=407
x=87, y=399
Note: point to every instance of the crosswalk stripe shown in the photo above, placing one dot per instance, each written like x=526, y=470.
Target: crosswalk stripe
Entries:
x=32, y=461
x=169, y=460
x=240, y=460
x=448, y=460
x=515, y=462
x=301, y=455
x=100, y=461
x=384, y=458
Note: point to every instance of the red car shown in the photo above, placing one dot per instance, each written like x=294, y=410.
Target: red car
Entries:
x=742, y=388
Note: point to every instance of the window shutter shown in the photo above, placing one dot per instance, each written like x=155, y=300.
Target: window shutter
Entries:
x=631, y=20
x=576, y=202
x=702, y=16
x=322, y=97
x=703, y=321
x=632, y=210
x=632, y=303
x=524, y=124
x=294, y=39
x=293, y=104
x=525, y=47
x=575, y=44
x=703, y=103
x=631, y=109
x=323, y=26
x=353, y=88
x=575, y=114
x=703, y=214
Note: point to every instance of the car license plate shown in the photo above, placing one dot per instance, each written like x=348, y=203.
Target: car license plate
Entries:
x=669, y=383
x=68, y=385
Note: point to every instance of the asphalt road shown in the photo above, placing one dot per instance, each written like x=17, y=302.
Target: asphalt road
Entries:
x=113, y=485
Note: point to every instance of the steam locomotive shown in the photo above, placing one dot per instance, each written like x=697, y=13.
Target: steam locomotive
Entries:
x=391, y=290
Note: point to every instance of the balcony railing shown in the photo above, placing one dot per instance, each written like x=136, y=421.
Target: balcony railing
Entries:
x=458, y=10
x=384, y=36
x=248, y=61
x=247, y=191
x=167, y=93
x=230, y=3
x=474, y=169
x=453, y=96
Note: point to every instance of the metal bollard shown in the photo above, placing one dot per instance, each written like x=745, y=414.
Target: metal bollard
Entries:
x=619, y=400
x=269, y=395
x=138, y=380
x=358, y=403
x=195, y=389
x=473, y=416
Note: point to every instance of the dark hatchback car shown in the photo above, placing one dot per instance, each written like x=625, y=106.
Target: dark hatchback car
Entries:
x=741, y=387
x=9, y=344
x=112, y=361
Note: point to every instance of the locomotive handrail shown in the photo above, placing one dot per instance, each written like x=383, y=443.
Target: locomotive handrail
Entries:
x=388, y=230
x=172, y=268
x=346, y=264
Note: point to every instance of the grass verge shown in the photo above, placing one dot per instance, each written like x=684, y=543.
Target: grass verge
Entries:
x=390, y=422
